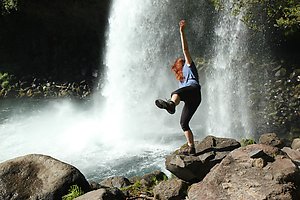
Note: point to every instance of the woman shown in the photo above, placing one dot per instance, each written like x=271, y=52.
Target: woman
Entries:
x=189, y=90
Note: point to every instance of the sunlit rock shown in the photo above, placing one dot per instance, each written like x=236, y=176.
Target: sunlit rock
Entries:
x=38, y=177
x=239, y=176
x=209, y=152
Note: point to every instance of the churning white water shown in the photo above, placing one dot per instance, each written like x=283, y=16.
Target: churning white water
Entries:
x=126, y=134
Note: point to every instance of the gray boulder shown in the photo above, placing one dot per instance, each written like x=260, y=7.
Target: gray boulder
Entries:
x=296, y=144
x=294, y=155
x=116, y=181
x=38, y=177
x=103, y=194
x=173, y=189
x=209, y=152
x=271, y=139
x=239, y=176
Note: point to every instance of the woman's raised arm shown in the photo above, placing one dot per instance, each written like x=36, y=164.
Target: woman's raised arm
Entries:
x=184, y=44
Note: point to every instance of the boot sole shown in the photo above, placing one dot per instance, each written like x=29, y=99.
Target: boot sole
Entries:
x=163, y=105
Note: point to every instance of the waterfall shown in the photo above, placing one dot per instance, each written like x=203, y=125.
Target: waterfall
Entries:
x=143, y=41
x=126, y=134
x=227, y=78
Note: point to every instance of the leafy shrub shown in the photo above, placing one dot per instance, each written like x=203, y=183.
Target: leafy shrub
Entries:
x=134, y=189
x=74, y=192
x=245, y=142
x=283, y=14
x=5, y=84
x=7, y=6
x=4, y=80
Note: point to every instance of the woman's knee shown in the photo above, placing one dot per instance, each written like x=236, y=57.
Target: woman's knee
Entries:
x=175, y=98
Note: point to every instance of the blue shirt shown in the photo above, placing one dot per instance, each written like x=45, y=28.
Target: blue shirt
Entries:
x=190, y=75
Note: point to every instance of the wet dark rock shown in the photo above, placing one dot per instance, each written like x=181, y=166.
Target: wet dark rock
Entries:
x=94, y=185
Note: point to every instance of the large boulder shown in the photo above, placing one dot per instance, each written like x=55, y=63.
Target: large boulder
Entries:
x=271, y=139
x=173, y=189
x=296, y=144
x=209, y=152
x=256, y=171
x=38, y=177
x=116, y=181
x=294, y=155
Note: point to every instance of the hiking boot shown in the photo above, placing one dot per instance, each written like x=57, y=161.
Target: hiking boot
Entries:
x=191, y=151
x=168, y=105
x=188, y=151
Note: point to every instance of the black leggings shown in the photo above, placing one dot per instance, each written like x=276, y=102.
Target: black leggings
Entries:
x=191, y=96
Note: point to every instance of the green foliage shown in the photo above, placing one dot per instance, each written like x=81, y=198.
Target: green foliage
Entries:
x=5, y=84
x=134, y=189
x=282, y=14
x=244, y=142
x=74, y=192
x=138, y=188
x=287, y=16
x=4, y=80
x=155, y=181
x=217, y=4
x=8, y=5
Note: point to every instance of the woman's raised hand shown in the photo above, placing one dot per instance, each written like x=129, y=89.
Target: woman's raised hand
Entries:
x=182, y=25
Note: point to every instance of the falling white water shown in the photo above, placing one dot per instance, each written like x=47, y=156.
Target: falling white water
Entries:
x=126, y=134
x=227, y=78
x=137, y=61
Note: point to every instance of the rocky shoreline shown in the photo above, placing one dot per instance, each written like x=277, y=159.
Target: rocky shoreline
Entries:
x=11, y=87
x=223, y=168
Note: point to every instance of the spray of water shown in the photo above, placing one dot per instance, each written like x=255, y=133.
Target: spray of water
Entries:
x=127, y=134
x=227, y=80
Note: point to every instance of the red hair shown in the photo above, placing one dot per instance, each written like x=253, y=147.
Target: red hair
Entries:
x=177, y=69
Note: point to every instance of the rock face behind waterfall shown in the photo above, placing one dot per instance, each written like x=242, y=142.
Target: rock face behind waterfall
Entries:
x=209, y=152
x=38, y=177
x=256, y=171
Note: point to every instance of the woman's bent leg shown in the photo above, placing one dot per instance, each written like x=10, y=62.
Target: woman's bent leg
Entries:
x=175, y=98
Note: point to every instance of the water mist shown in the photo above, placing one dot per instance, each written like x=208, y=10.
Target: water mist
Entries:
x=227, y=77
x=126, y=134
